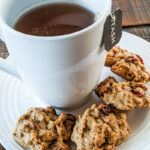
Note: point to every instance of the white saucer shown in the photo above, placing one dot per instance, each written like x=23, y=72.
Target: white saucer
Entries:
x=15, y=99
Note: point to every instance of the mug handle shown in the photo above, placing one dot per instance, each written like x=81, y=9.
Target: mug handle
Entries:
x=9, y=68
x=1, y=35
x=6, y=66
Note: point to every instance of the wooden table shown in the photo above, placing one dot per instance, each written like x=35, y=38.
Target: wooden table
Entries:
x=136, y=20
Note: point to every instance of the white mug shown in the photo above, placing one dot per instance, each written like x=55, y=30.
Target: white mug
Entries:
x=62, y=70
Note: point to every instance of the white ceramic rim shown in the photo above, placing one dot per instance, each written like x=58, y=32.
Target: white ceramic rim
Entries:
x=108, y=7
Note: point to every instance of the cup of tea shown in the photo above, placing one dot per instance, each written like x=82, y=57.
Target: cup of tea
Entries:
x=56, y=46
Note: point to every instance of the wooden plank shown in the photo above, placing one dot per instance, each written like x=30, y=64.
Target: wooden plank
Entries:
x=141, y=31
x=3, y=50
x=1, y=147
x=135, y=12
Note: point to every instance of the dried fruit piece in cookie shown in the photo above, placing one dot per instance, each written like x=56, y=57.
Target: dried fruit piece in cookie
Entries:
x=100, y=128
x=127, y=65
x=42, y=128
x=108, y=82
x=124, y=95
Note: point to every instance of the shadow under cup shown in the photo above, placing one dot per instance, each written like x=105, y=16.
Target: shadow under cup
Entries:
x=63, y=70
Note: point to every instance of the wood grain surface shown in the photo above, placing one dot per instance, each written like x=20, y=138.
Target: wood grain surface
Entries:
x=141, y=31
x=136, y=12
x=136, y=20
x=3, y=50
x=1, y=147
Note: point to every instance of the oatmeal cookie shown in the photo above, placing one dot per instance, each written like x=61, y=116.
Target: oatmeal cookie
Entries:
x=42, y=129
x=127, y=65
x=100, y=128
x=123, y=95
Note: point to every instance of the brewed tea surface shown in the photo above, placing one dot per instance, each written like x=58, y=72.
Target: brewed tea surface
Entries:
x=54, y=19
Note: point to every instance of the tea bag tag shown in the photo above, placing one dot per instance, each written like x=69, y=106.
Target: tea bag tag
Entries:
x=113, y=29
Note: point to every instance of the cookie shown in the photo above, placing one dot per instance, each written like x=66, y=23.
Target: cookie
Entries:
x=123, y=95
x=42, y=129
x=100, y=128
x=127, y=65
